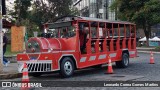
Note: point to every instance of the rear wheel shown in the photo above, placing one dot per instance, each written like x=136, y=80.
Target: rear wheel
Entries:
x=124, y=62
x=67, y=67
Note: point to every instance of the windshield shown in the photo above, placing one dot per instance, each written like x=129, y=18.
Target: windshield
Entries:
x=63, y=31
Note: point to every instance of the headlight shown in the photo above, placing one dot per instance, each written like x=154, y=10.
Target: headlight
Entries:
x=36, y=45
x=29, y=45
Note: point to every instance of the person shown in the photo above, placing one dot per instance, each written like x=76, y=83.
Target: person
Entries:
x=83, y=38
x=65, y=34
x=5, y=61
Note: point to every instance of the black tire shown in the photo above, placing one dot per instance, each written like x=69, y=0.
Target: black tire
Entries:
x=124, y=62
x=37, y=74
x=67, y=67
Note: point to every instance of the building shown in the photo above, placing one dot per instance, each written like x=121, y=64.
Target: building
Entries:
x=156, y=30
x=95, y=8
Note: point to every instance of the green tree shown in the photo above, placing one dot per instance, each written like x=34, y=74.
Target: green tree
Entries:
x=34, y=13
x=144, y=13
x=20, y=12
x=50, y=10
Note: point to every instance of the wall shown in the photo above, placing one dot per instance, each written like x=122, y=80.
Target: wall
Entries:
x=17, y=38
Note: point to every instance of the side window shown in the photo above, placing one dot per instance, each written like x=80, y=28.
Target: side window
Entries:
x=127, y=31
x=115, y=32
x=105, y=33
x=67, y=32
x=121, y=30
x=52, y=33
x=102, y=30
x=63, y=32
x=132, y=32
x=87, y=31
x=94, y=26
x=93, y=32
x=110, y=32
x=71, y=31
x=84, y=29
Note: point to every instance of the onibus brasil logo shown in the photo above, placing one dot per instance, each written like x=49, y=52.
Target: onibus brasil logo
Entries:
x=18, y=84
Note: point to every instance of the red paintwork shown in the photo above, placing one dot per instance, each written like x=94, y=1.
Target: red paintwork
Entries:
x=71, y=47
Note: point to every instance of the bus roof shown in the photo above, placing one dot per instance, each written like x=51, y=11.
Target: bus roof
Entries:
x=104, y=20
x=71, y=18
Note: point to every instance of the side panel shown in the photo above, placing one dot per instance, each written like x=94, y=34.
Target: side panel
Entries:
x=102, y=58
x=97, y=58
x=133, y=53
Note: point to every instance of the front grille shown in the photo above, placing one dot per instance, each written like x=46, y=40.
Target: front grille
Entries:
x=39, y=67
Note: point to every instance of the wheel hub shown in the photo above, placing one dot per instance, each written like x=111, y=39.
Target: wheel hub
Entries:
x=68, y=67
x=126, y=61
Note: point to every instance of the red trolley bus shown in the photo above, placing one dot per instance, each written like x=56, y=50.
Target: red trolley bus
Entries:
x=80, y=42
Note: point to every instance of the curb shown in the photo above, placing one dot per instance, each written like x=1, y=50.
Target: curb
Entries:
x=10, y=75
x=148, y=52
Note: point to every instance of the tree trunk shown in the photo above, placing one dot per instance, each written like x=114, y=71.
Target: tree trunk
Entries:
x=147, y=31
x=147, y=42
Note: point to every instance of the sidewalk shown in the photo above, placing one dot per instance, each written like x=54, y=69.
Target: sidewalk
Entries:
x=147, y=50
x=10, y=71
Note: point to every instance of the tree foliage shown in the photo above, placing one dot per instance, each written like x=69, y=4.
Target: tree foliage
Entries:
x=21, y=8
x=50, y=10
x=144, y=13
x=34, y=13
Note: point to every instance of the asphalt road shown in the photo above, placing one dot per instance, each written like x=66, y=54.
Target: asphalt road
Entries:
x=138, y=70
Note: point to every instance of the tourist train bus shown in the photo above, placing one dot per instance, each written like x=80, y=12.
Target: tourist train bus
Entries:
x=79, y=42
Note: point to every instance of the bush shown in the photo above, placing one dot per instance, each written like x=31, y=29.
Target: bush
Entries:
x=157, y=48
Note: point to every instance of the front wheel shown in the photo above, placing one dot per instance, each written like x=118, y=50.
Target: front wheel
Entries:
x=67, y=67
x=124, y=62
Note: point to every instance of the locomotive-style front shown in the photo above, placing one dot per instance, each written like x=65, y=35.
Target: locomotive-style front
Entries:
x=38, y=54
x=45, y=54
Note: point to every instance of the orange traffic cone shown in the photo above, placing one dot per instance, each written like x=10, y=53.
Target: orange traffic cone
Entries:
x=110, y=70
x=25, y=77
x=151, y=58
